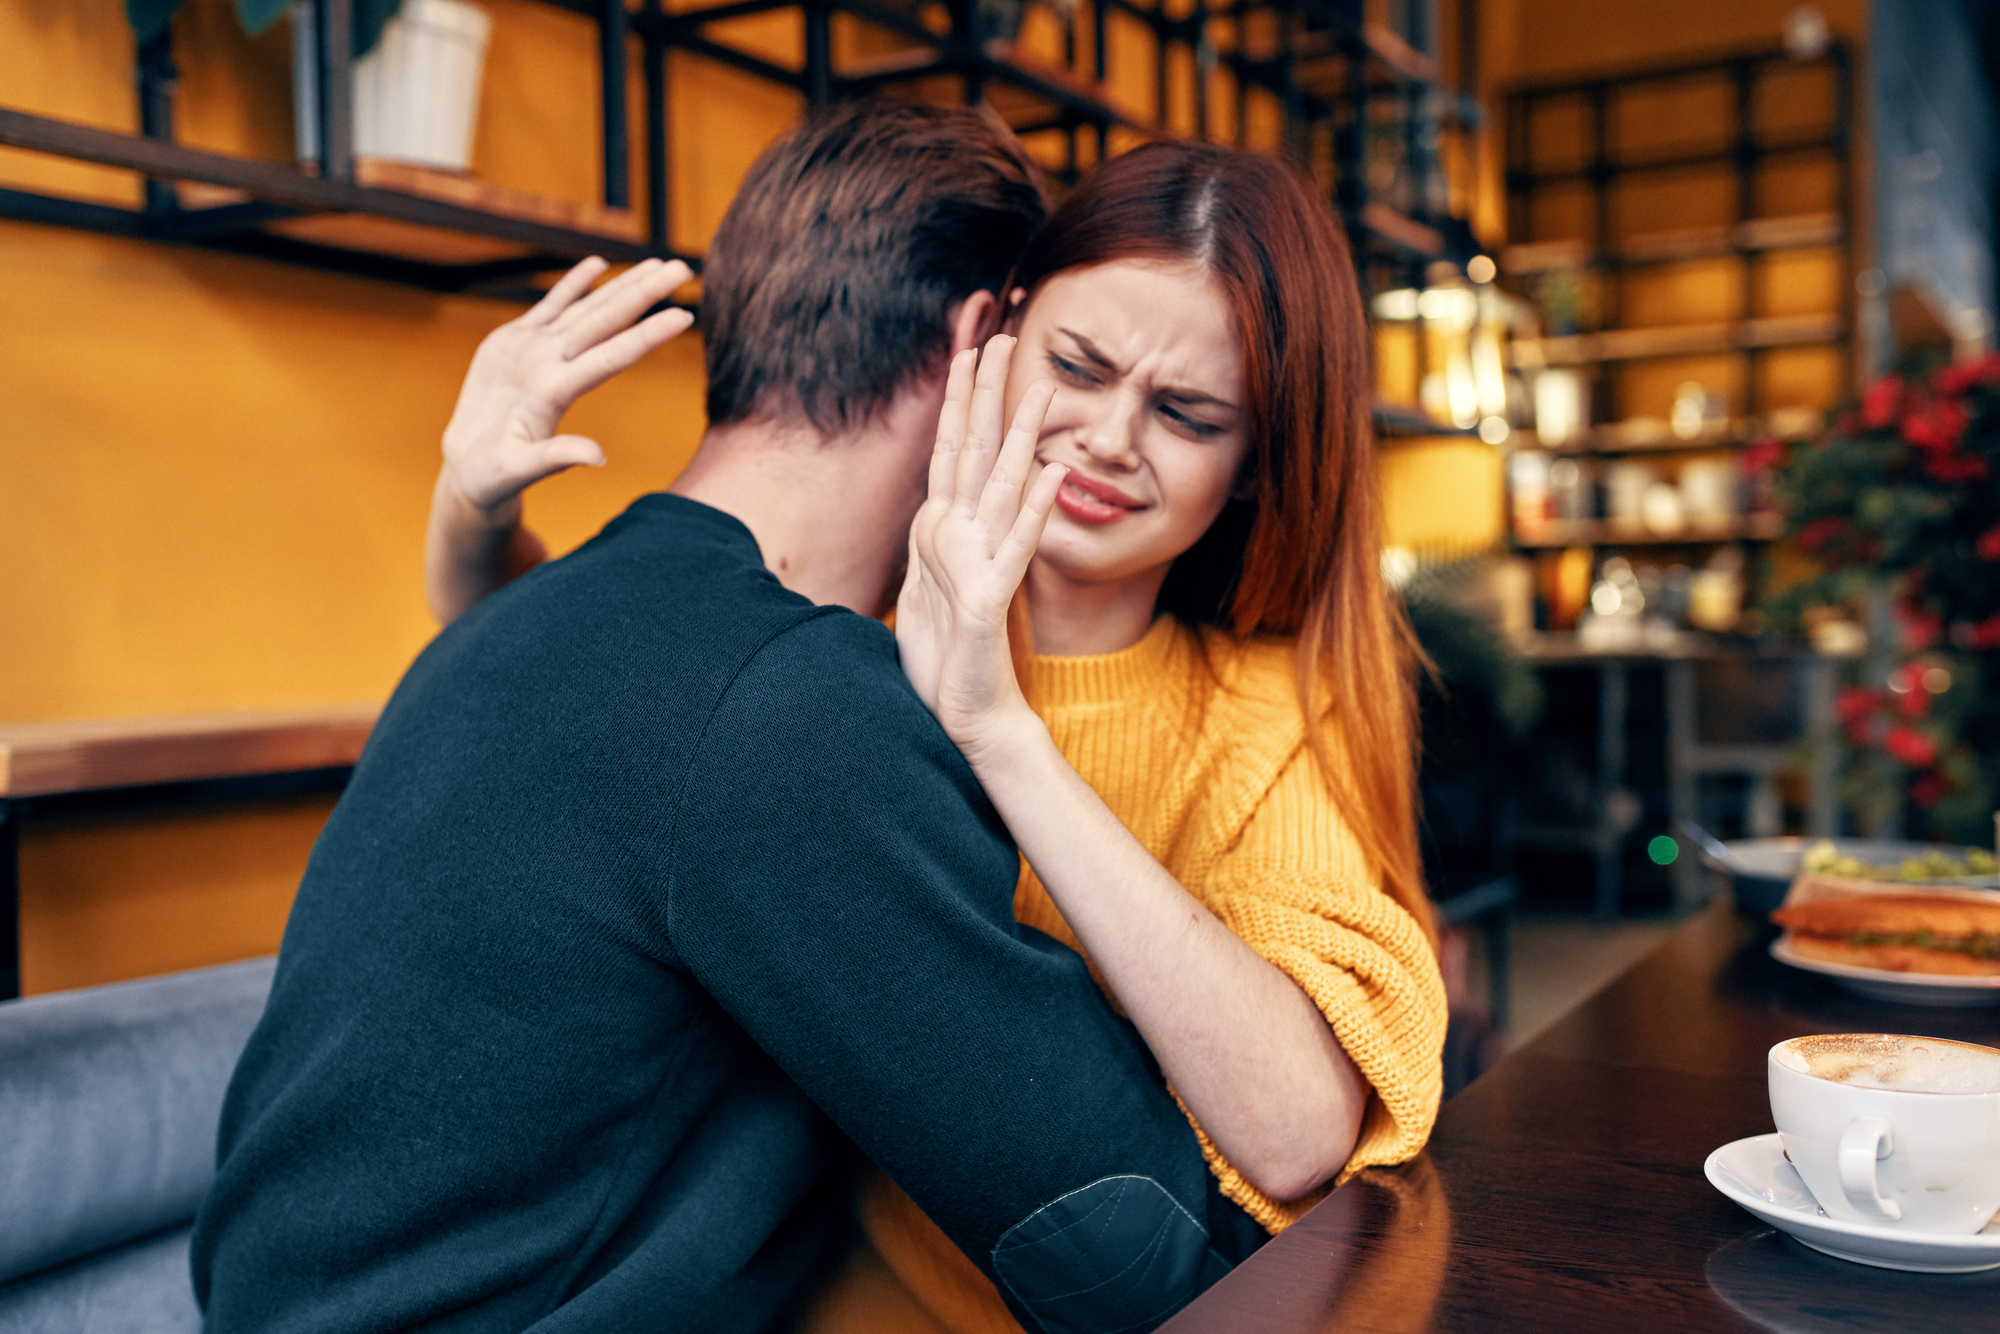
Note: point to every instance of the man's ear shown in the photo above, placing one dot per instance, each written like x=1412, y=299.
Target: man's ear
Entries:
x=975, y=320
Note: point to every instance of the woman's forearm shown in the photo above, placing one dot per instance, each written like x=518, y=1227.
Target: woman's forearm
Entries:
x=470, y=552
x=1247, y=1050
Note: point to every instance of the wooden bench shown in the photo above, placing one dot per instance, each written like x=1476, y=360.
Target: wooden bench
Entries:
x=131, y=764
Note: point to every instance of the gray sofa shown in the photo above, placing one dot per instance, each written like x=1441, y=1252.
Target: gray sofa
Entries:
x=109, y=1099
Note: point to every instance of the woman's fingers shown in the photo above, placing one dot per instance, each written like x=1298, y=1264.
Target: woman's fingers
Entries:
x=951, y=425
x=612, y=308
x=985, y=422
x=1010, y=562
x=1000, y=501
x=567, y=289
x=556, y=454
x=596, y=365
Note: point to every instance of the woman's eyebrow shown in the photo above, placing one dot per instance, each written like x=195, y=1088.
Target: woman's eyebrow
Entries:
x=1090, y=351
x=1093, y=354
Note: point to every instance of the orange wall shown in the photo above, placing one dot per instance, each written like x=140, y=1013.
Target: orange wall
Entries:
x=214, y=471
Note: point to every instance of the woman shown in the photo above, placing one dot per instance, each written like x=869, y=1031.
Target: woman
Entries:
x=1207, y=758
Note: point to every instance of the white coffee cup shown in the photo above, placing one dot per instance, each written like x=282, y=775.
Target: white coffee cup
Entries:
x=1892, y=1130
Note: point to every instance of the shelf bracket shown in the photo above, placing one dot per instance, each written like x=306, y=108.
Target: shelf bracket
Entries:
x=333, y=50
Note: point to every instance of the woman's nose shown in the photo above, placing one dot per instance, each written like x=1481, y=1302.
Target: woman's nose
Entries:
x=1110, y=434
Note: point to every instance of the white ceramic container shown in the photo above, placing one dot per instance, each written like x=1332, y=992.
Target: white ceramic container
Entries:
x=416, y=95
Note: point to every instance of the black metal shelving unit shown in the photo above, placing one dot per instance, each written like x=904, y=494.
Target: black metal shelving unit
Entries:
x=1346, y=88
x=1752, y=236
x=1660, y=681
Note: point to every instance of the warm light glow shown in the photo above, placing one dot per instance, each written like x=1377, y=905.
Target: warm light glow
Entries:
x=1482, y=269
x=1399, y=566
x=1397, y=304
x=1461, y=390
x=1489, y=370
x=1559, y=405
x=1494, y=430
x=1455, y=306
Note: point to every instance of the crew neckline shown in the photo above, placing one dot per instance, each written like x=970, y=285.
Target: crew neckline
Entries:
x=1097, y=678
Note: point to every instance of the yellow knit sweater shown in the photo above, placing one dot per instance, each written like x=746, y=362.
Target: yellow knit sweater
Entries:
x=1198, y=745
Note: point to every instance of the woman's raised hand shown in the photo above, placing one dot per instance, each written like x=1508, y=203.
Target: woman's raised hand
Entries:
x=502, y=436
x=970, y=547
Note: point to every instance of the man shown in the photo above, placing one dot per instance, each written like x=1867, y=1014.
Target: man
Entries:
x=655, y=865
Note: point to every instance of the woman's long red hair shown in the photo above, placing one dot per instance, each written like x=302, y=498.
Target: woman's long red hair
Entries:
x=1302, y=556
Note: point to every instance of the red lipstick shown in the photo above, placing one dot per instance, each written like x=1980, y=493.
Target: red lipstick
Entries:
x=1088, y=500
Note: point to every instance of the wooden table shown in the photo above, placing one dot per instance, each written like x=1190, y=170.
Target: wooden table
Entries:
x=1563, y=1190
x=135, y=764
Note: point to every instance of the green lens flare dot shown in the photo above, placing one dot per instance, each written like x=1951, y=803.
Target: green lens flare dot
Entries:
x=1663, y=850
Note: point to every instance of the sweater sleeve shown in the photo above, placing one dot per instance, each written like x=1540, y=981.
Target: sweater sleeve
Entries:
x=1296, y=888
x=844, y=890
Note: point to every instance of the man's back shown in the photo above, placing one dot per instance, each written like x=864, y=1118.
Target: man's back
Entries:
x=646, y=859
x=478, y=994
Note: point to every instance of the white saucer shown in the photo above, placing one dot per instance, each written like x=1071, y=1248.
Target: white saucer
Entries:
x=1756, y=1174
x=1902, y=988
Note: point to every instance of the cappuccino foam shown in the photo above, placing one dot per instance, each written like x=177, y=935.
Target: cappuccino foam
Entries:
x=1896, y=1062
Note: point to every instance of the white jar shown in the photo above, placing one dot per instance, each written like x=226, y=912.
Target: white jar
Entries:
x=416, y=95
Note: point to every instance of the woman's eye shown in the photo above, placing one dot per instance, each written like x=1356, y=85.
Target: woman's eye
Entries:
x=1070, y=371
x=1190, y=424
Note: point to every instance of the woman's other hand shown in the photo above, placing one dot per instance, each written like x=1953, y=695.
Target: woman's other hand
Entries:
x=502, y=436
x=970, y=547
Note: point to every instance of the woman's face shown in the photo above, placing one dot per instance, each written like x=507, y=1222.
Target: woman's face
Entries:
x=1148, y=413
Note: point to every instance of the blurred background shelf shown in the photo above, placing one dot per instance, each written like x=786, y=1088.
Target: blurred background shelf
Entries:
x=1605, y=532
x=1808, y=231
x=1361, y=102
x=1680, y=340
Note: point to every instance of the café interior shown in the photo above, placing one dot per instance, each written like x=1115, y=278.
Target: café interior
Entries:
x=1684, y=395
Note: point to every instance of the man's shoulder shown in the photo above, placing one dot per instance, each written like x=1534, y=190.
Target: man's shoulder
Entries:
x=835, y=667
x=667, y=568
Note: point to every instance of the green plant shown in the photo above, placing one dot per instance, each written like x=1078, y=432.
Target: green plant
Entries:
x=149, y=18
x=1471, y=657
x=1899, y=511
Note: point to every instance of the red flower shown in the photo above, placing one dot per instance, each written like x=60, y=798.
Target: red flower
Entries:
x=1957, y=379
x=1760, y=454
x=1857, y=702
x=1928, y=790
x=1954, y=466
x=1857, y=708
x=1988, y=545
x=1934, y=424
x=1914, y=703
x=1879, y=401
x=1822, y=531
x=1921, y=629
x=1910, y=746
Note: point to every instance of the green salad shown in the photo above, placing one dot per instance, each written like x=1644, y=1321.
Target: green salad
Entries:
x=1824, y=856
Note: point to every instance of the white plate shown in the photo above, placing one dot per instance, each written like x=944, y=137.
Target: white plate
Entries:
x=1778, y=859
x=1755, y=1173
x=1902, y=988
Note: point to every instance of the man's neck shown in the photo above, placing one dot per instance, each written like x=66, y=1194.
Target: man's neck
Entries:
x=831, y=517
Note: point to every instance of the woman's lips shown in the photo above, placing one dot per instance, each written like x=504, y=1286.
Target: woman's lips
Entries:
x=1090, y=501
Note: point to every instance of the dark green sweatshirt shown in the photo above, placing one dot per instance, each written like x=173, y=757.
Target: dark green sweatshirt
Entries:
x=650, y=870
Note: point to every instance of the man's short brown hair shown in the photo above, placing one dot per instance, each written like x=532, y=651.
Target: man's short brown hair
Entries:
x=828, y=285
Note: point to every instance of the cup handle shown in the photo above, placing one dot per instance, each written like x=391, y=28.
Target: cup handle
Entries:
x=1865, y=1142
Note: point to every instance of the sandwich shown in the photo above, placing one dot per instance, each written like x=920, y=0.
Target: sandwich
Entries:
x=1898, y=933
